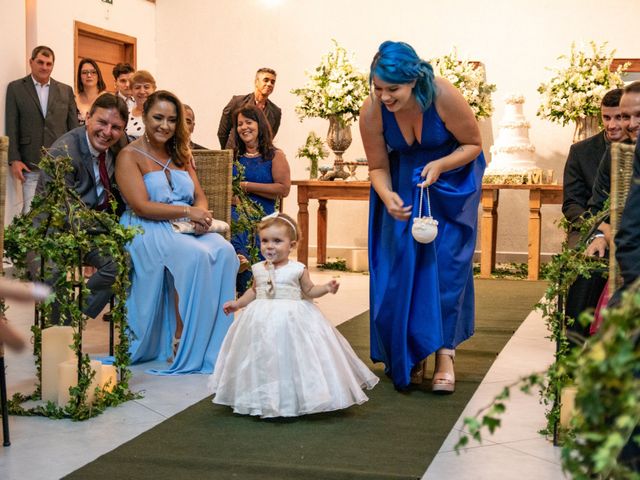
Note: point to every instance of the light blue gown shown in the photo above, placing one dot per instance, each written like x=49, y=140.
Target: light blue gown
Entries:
x=202, y=269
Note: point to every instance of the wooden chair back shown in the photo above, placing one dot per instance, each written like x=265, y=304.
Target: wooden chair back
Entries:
x=214, y=169
x=621, y=175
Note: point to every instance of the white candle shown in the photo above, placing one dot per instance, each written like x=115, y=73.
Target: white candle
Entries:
x=68, y=377
x=568, y=400
x=108, y=377
x=56, y=347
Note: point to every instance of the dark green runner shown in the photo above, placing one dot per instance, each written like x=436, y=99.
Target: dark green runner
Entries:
x=394, y=435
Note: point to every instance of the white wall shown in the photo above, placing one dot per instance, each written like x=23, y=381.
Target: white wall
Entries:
x=207, y=51
x=223, y=43
x=50, y=22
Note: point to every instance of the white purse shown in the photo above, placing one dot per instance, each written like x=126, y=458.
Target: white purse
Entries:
x=424, y=229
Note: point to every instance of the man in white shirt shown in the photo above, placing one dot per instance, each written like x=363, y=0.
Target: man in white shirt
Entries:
x=38, y=111
x=93, y=149
x=122, y=74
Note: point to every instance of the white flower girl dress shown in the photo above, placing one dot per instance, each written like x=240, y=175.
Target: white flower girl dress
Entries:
x=282, y=358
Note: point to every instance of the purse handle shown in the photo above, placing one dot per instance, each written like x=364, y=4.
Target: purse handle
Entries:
x=428, y=201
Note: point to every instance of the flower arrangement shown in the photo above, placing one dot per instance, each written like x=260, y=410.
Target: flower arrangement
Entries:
x=470, y=79
x=314, y=150
x=335, y=88
x=577, y=89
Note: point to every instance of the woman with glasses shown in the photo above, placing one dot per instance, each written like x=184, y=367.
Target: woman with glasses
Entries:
x=90, y=85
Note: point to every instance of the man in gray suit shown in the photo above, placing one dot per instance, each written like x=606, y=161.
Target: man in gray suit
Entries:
x=264, y=84
x=38, y=111
x=93, y=150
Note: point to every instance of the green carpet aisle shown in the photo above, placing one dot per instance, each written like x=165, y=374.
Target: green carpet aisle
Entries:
x=393, y=436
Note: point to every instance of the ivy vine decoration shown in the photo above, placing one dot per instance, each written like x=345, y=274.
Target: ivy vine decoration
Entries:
x=60, y=230
x=248, y=212
x=572, y=366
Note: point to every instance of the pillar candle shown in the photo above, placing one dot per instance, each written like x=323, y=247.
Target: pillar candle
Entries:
x=109, y=375
x=56, y=347
x=568, y=400
x=68, y=377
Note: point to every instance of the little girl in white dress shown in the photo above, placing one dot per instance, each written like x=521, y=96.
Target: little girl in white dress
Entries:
x=281, y=357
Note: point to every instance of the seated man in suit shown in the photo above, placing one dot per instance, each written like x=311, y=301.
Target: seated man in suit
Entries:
x=264, y=84
x=579, y=176
x=92, y=149
x=38, y=111
x=585, y=157
x=630, y=112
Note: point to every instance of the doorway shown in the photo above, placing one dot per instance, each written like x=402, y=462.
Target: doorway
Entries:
x=107, y=48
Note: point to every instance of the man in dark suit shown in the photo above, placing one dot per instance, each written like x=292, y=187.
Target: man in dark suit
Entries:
x=630, y=112
x=38, y=111
x=585, y=157
x=579, y=176
x=190, y=120
x=265, y=83
x=93, y=150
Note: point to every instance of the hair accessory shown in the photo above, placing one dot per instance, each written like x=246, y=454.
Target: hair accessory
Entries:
x=284, y=219
x=424, y=229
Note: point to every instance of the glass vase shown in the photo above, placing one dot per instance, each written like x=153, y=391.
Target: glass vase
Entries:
x=313, y=169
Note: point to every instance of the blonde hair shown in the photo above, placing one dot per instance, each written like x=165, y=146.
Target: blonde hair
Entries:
x=281, y=219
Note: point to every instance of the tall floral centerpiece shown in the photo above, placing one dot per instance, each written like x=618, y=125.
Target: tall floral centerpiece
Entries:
x=576, y=90
x=314, y=151
x=335, y=90
x=468, y=77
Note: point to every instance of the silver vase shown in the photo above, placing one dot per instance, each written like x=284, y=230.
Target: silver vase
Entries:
x=586, y=127
x=338, y=139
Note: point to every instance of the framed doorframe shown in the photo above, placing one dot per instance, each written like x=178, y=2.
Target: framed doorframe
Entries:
x=130, y=43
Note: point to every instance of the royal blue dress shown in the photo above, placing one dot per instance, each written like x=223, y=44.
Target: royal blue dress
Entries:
x=257, y=170
x=421, y=295
x=200, y=268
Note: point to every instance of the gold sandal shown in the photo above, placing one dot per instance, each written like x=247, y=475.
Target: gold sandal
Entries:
x=444, y=382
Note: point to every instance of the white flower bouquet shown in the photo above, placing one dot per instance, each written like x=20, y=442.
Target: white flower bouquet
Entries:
x=335, y=88
x=470, y=79
x=314, y=151
x=577, y=89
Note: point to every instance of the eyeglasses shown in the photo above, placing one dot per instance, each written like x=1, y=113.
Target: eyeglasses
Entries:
x=88, y=72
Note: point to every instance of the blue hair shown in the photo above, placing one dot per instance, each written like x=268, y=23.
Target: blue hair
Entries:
x=398, y=62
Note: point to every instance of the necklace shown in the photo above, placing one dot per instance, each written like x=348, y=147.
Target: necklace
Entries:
x=251, y=154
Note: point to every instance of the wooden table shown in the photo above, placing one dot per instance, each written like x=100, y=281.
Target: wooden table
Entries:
x=538, y=196
x=323, y=191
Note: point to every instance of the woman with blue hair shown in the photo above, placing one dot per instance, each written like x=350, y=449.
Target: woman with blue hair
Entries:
x=417, y=129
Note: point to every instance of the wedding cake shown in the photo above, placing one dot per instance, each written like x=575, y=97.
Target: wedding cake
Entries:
x=512, y=154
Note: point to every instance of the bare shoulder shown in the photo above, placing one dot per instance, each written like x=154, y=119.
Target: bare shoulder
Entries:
x=370, y=116
x=278, y=155
x=444, y=90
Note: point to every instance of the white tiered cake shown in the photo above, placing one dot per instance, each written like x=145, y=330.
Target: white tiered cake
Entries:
x=512, y=154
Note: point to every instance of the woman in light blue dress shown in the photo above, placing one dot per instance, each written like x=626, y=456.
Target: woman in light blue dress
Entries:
x=266, y=176
x=417, y=128
x=179, y=281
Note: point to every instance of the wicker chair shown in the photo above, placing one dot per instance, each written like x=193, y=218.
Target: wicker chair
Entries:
x=214, y=169
x=621, y=174
x=4, y=148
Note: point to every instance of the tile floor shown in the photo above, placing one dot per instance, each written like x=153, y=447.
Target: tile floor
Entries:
x=515, y=451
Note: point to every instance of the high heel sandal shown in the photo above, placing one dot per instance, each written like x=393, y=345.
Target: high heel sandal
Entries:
x=417, y=372
x=444, y=382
